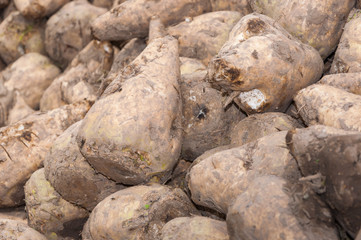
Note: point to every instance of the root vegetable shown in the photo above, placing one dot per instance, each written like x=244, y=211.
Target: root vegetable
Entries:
x=206, y=123
x=68, y=30
x=131, y=18
x=268, y=211
x=31, y=75
x=263, y=66
x=48, y=212
x=330, y=106
x=25, y=144
x=203, y=36
x=260, y=125
x=185, y=228
x=81, y=80
x=348, y=54
x=350, y=82
x=137, y=213
x=72, y=176
x=19, y=110
x=38, y=8
x=232, y=170
x=317, y=23
x=329, y=159
x=133, y=133
x=12, y=229
x=19, y=35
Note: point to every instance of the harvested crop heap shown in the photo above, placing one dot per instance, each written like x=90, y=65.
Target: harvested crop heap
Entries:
x=180, y=119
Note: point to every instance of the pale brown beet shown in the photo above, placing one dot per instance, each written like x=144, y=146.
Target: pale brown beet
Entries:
x=348, y=54
x=25, y=144
x=329, y=158
x=64, y=166
x=206, y=124
x=231, y=170
x=19, y=35
x=31, y=75
x=137, y=212
x=317, y=23
x=48, y=212
x=271, y=208
x=38, y=8
x=350, y=82
x=133, y=133
x=131, y=18
x=19, y=110
x=262, y=66
x=330, y=106
x=81, y=80
x=260, y=125
x=185, y=228
x=12, y=229
x=203, y=36
x=68, y=30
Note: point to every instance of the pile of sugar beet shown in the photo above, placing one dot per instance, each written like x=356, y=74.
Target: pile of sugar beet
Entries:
x=180, y=119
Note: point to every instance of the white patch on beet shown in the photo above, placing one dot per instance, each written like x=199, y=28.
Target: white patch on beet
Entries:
x=240, y=37
x=193, y=98
x=254, y=98
x=107, y=49
x=188, y=19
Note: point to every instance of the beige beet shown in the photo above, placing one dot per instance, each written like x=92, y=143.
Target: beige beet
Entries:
x=329, y=157
x=260, y=125
x=206, y=124
x=25, y=144
x=348, y=54
x=330, y=106
x=317, y=23
x=273, y=209
x=19, y=110
x=38, y=8
x=350, y=82
x=131, y=18
x=19, y=36
x=12, y=229
x=137, y=212
x=31, y=75
x=133, y=133
x=201, y=228
x=203, y=36
x=81, y=80
x=6, y=102
x=72, y=176
x=68, y=30
x=48, y=212
x=232, y=170
x=262, y=66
